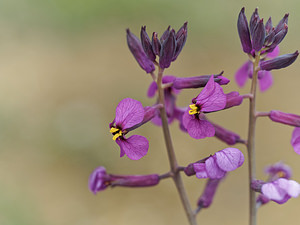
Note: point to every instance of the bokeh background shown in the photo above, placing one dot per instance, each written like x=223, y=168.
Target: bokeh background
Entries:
x=65, y=65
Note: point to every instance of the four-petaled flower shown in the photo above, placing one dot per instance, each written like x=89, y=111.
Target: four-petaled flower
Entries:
x=129, y=113
x=210, y=99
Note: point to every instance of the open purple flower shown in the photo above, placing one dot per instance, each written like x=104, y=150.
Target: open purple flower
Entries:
x=265, y=78
x=278, y=170
x=210, y=99
x=281, y=190
x=129, y=113
x=216, y=166
x=295, y=141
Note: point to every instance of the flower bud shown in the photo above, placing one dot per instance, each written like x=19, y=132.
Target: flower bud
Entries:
x=155, y=44
x=167, y=50
x=165, y=35
x=180, y=37
x=269, y=26
x=225, y=135
x=270, y=37
x=253, y=20
x=146, y=43
x=285, y=118
x=233, y=99
x=137, y=51
x=281, y=23
x=279, y=37
x=258, y=36
x=209, y=192
x=243, y=31
x=279, y=62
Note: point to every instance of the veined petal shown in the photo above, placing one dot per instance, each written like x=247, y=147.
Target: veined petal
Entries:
x=266, y=80
x=198, y=128
x=293, y=189
x=229, y=159
x=129, y=112
x=135, y=147
x=273, y=192
x=241, y=75
x=212, y=169
x=200, y=170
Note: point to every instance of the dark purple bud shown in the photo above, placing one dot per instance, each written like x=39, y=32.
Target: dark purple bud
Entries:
x=270, y=37
x=258, y=37
x=225, y=135
x=99, y=180
x=209, y=192
x=244, y=33
x=285, y=118
x=156, y=46
x=281, y=23
x=198, y=81
x=256, y=185
x=279, y=37
x=167, y=50
x=253, y=20
x=233, y=99
x=180, y=41
x=146, y=43
x=165, y=35
x=182, y=31
x=137, y=51
x=189, y=170
x=279, y=62
x=269, y=25
x=149, y=114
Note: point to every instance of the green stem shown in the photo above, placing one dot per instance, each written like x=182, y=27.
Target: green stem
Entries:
x=171, y=154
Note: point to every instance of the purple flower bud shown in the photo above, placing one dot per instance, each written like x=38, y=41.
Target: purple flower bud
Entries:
x=258, y=36
x=281, y=23
x=189, y=170
x=285, y=118
x=270, y=37
x=268, y=26
x=165, y=35
x=137, y=51
x=180, y=37
x=279, y=62
x=167, y=50
x=278, y=170
x=253, y=20
x=100, y=180
x=256, y=185
x=279, y=36
x=225, y=135
x=146, y=43
x=156, y=46
x=244, y=33
x=198, y=81
x=209, y=192
x=233, y=99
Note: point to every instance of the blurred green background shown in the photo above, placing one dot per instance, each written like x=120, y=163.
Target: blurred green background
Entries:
x=65, y=65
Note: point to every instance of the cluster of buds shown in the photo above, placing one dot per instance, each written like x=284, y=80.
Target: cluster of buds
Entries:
x=167, y=47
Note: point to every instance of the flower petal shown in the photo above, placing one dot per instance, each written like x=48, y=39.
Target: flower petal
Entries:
x=135, y=147
x=296, y=140
x=266, y=80
x=212, y=169
x=242, y=74
x=293, y=189
x=198, y=128
x=229, y=159
x=129, y=112
x=274, y=53
x=273, y=192
x=152, y=89
x=200, y=170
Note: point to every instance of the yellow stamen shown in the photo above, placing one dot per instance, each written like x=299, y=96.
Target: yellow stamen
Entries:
x=194, y=109
x=113, y=130
x=117, y=133
x=281, y=174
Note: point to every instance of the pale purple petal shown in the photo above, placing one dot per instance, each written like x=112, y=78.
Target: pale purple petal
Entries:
x=242, y=74
x=212, y=169
x=266, y=80
x=152, y=89
x=186, y=117
x=273, y=192
x=207, y=90
x=274, y=53
x=135, y=147
x=200, y=170
x=216, y=101
x=129, y=112
x=296, y=140
x=293, y=189
x=198, y=128
x=97, y=180
x=229, y=159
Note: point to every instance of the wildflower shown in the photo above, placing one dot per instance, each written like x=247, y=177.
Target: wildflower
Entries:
x=130, y=113
x=295, y=141
x=278, y=170
x=99, y=180
x=210, y=99
x=216, y=166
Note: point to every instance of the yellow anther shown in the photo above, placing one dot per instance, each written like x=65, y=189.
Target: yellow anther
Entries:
x=113, y=130
x=281, y=174
x=194, y=109
x=117, y=135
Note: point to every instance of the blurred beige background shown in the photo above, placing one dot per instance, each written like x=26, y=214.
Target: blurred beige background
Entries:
x=65, y=65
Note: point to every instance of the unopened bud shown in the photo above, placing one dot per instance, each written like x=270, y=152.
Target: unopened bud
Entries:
x=258, y=36
x=243, y=31
x=167, y=50
x=285, y=118
x=146, y=43
x=209, y=192
x=279, y=62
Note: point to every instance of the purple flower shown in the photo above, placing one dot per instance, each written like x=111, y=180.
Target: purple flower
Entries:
x=216, y=166
x=285, y=118
x=129, y=113
x=99, y=180
x=210, y=99
x=281, y=190
x=278, y=170
x=295, y=141
x=264, y=77
x=209, y=192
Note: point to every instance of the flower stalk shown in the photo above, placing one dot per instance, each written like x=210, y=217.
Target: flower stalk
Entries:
x=171, y=154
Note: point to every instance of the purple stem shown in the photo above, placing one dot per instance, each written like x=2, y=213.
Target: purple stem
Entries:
x=251, y=141
x=171, y=154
